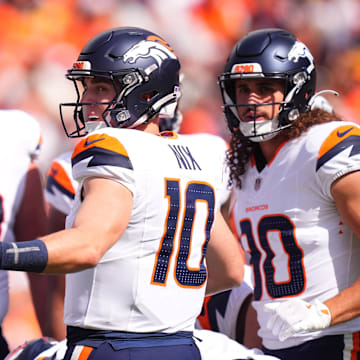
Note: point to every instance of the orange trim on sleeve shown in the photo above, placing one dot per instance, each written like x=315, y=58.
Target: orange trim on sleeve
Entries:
x=103, y=141
x=338, y=135
x=58, y=173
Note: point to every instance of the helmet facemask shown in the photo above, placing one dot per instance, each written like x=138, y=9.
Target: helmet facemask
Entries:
x=256, y=130
x=115, y=114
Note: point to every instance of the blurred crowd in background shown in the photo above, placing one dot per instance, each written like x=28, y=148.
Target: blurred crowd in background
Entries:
x=40, y=39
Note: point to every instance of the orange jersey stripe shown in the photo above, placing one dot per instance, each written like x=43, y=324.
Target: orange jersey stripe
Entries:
x=60, y=176
x=336, y=137
x=102, y=141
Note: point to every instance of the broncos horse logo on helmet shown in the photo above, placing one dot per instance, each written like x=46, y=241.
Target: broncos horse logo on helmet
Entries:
x=146, y=49
x=299, y=50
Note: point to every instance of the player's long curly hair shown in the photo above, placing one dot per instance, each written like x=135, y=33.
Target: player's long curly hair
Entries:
x=238, y=155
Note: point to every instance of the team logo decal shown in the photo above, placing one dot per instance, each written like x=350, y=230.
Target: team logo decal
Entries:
x=299, y=50
x=81, y=65
x=257, y=184
x=246, y=68
x=153, y=47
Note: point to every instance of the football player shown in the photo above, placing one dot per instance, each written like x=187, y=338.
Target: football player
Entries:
x=60, y=193
x=144, y=211
x=227, y=312
x=230, y=312
x=297, y=210
x=22, y=209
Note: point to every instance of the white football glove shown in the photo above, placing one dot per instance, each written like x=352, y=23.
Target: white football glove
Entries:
x=295, y=315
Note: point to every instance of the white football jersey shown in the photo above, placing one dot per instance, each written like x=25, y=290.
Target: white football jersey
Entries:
x=295, y=240
x=19, y=145
x=153, y=279
x=60, y=185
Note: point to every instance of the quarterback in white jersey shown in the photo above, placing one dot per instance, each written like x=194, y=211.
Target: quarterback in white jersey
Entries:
x=145, y=212
x=22, y=212
x=181, y=208
x=296, y=171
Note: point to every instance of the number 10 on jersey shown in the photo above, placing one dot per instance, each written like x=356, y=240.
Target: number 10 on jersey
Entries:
x=184, y=276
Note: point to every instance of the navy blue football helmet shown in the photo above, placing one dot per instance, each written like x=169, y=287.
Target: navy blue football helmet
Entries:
x=143, y=68
x=274, y=54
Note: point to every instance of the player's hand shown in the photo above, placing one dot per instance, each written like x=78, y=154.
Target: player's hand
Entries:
x=295, y=315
